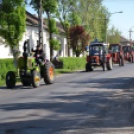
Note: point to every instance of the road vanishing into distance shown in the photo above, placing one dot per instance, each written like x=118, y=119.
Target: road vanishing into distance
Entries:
x=78, y=103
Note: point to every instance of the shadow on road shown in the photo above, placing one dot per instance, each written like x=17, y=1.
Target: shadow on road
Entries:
x=61, y=111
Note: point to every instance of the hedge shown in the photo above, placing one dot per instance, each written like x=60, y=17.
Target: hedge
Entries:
x=5, y=66
x=73, y=63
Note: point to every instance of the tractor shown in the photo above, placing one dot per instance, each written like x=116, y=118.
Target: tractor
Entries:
x=98, y=56
x=30, y=72
x=128, y=53
x=117, y=54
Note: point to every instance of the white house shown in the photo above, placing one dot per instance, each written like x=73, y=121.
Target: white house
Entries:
x=31, y=35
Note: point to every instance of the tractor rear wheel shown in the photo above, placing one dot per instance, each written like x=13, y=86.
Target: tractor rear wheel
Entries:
x=87, y=67
x=91, y=68
x=10, y=79
x=122, y=61
x=131, y=60
x=35, y=79
x=110, y=64
x=49, y=73
x=104, y=66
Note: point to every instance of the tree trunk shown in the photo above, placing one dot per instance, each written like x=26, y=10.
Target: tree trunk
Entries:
x=68, y=46
x=50, y=37
x=77, y=54
x=16, y=54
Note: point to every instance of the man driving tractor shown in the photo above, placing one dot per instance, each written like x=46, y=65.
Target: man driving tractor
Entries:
x=38, y=53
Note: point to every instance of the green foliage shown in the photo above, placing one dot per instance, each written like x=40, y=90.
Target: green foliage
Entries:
x=5, y=66
x=73, y=63
x=55, y=44
x=66, y=25
x=49, y=6
x=114, y=35
x=12, y=21
x=93, y=16
x=64, y=8
x=74, y=19
x=52, y=26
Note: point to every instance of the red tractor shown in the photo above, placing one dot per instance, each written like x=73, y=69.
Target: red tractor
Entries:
x=128, y=53
x=98, y=56
x=117, y=54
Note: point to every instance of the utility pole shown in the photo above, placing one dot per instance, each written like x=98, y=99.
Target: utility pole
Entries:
x=40, y=24
x=106, y=29
x=130, y=34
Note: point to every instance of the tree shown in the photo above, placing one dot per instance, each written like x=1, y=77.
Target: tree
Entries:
x=64, y=8
x=12, y=23
x=93, y=16
x=49, y=7
x=79, y=39
x=74, y=19
x=114, y=35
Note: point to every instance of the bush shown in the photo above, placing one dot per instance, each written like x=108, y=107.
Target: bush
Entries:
x=73, y=63
x=5, y=66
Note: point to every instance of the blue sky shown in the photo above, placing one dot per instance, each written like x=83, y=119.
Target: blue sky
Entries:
x=123, y=21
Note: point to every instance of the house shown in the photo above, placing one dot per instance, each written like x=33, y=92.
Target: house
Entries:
x=31, y=35
x=124, y=41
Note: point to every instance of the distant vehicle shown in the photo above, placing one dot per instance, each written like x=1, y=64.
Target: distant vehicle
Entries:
x=128, y=53
x=98, y=56
x=117, y=54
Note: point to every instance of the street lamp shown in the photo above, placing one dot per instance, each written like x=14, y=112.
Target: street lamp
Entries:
x=106, y=25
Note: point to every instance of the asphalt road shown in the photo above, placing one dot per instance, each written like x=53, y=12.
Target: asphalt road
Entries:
x=78, y=103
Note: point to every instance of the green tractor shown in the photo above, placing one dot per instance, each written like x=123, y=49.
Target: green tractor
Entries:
x=30, y=72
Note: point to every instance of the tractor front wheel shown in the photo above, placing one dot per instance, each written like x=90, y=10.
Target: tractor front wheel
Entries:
x=131, y=59
x=104, y=66
x=35, y=79
x=87, y=67
x=110, y=64
x=10, y=79
x=49, y=73
x=122, y=61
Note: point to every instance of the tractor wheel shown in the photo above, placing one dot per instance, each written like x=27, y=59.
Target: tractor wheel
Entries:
x=35, y=79
x=49, y=73
x=87, y=67
x=10, y=79
x=110, y=64
x=131, y=60
x=25, y=81
x=91, y=68
x=122, y=61
x=104, y=66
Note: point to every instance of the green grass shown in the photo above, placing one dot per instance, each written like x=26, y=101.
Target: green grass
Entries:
x=62, y=71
